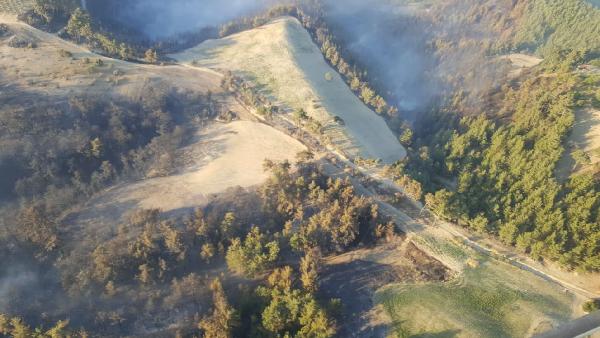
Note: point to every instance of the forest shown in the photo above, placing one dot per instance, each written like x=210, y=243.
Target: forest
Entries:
x=504, y=159
x=248, y=264
x=172, y=267
x=503, y=151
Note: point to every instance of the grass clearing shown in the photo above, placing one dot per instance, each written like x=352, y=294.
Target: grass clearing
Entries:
x=520, y=62
x=281, y=59
x=488, y=299
x=221, y=156
x=585, y=135
x=60, y=68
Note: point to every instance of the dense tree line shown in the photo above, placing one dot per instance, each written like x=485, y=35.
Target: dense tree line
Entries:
x=506, y=175
x=49, y=14
x=15, y=327
x=72, y=22
x=549, y=26
x=272, y=237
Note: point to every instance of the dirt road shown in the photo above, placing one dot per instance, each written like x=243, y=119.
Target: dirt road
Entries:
x=418, y=221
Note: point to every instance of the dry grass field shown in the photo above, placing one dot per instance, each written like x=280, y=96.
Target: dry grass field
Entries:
x=56, y=67
x=281, y=59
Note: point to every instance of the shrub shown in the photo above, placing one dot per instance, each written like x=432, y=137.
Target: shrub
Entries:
x=591, y=305
x=4, y=30
x=65, y=53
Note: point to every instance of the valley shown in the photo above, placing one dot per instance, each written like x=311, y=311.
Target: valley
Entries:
x=295, y=200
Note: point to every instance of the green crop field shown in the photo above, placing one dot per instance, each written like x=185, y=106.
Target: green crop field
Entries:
x=489, y=299
x=15, y=6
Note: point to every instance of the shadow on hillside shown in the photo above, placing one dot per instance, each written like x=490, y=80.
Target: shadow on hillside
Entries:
x=442, y=334
x=354, y=283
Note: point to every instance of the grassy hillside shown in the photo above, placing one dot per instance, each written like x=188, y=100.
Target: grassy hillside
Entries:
x=283, y=62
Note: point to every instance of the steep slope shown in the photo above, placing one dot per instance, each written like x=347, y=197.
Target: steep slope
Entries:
x=216, y=157
x=57, y=67
x=281, y=58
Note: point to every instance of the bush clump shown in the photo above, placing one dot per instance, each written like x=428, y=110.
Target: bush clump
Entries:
x=4, y=30
x=20, y=42
x=591, y=305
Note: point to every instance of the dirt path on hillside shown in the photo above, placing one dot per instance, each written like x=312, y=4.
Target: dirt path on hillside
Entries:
x=60, y=68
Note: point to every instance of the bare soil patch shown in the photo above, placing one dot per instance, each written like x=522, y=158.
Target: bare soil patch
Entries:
x=584, y=136
x=520, y=62
x=354, y=277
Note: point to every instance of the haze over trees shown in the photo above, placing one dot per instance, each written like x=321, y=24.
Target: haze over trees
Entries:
x=249, y=262
x=500, y=143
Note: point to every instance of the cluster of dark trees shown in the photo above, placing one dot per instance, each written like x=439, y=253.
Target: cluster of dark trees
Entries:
x=66, y=17
x=55, y=154
x=249, y=95
x=273, y=238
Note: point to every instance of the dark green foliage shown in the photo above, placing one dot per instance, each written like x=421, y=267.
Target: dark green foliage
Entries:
x=591, y=305
x=548, y=26
x=50, y=14
x=506, y=178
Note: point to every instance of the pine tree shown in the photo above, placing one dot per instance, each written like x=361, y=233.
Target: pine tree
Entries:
x=223, y=319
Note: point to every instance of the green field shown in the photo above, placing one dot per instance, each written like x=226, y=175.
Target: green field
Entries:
x=489, y=299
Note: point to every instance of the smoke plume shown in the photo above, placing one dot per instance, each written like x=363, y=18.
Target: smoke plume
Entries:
x=161, y=19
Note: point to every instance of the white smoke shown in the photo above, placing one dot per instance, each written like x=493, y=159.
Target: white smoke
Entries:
x=160, y=18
